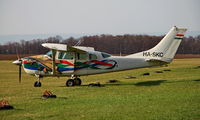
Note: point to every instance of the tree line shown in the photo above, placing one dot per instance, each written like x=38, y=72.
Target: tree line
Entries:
x=119, y=44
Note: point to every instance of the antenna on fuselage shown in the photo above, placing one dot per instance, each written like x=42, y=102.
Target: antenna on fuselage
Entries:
x=79, y=42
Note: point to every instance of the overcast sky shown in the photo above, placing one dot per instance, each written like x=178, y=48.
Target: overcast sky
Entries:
x=97, y=16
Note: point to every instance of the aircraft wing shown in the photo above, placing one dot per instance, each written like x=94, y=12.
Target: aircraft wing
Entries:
x=62, y=47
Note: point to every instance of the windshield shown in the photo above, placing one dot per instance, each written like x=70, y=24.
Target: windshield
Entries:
x=49, y=54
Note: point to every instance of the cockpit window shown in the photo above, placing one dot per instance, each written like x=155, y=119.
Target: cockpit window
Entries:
x=66, y=55
x=92, y=57
x=81, y=56
x=49, y=54
x=60, y=55
x=105, y=55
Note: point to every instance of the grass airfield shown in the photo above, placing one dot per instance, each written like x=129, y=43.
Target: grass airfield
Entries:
x=171, y=95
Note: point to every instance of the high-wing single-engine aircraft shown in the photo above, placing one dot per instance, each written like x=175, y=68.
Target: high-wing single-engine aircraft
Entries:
x=76, y=61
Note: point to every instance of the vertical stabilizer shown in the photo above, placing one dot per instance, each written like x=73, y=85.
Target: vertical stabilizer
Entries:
x=166, y=49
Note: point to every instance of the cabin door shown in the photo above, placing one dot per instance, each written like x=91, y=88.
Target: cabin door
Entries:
x=66, y=62
x=81, y=62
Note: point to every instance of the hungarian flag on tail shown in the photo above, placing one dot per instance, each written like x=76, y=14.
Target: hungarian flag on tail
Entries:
x=179, y=36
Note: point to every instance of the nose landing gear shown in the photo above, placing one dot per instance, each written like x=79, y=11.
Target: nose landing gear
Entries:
x=38, y=83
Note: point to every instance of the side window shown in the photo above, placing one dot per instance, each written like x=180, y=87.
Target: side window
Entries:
x=81, y=56
x=105, y=55
x=60, y=55
x=66, y=55
x=92, y=57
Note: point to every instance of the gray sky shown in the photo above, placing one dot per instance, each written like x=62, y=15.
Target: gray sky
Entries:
x=97, y=16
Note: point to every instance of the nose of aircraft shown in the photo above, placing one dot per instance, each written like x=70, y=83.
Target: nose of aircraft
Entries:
x=17, y=62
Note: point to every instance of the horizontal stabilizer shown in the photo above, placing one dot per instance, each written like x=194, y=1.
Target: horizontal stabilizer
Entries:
x=155, y=61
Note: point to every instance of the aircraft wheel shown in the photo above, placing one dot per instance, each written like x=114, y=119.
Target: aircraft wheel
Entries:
x=70, y=83
x=77, y=81
x=37, y=84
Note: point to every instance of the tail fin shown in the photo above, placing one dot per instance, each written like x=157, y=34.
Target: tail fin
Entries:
x=166, y=49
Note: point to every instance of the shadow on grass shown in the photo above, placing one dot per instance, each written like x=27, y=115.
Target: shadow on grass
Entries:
x=198, y=80
x=144, y=83
x=158, y=82
x=179, y=81
x=150, y=83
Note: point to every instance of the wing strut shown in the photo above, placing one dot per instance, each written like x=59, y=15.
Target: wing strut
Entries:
x=54, y=61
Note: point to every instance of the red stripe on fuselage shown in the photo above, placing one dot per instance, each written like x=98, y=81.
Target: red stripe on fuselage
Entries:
x=102, y=63
x=66, y=62
x=180, y=35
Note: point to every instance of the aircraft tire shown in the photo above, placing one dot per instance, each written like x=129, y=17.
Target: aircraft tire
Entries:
x=70, y=83
x=77, y=81
x=37, y=84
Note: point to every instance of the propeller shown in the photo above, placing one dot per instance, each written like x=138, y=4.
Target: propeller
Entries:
x=20, y=71
x=20, y=67
x=19, y=63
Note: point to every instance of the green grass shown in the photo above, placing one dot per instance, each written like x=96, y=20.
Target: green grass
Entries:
x=172, y=95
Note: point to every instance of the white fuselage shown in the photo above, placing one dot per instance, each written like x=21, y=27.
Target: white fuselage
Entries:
x=122, y=63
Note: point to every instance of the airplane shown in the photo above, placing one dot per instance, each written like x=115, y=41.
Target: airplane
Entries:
x=76, y=61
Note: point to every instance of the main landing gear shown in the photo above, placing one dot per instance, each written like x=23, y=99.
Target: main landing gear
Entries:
x=73, y=81
x=38, y=83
